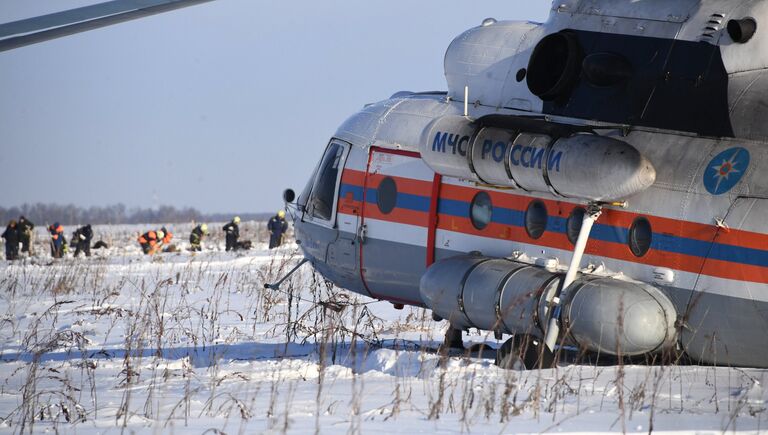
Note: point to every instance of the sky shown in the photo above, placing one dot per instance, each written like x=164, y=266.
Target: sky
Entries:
x=218, y=106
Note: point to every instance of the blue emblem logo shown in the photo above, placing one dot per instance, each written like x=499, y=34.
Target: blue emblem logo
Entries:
x=725, y=170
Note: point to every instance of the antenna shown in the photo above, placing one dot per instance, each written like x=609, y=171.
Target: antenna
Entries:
x=466, y=101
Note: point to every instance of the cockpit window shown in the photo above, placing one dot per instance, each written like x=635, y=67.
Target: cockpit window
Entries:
x=324, y=190
x=303, y=199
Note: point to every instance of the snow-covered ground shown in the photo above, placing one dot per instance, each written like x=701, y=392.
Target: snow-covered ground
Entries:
x=194, y=343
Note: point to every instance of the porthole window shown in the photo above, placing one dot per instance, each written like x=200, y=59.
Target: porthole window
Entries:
x=536, y=219
x=386, y=195
x=481, y=210
x=640, y=236
x=573, y=225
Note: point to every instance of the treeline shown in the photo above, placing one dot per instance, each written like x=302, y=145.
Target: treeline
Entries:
x=42, y=214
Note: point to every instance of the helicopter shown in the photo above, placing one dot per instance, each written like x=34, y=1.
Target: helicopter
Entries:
x=588, y=182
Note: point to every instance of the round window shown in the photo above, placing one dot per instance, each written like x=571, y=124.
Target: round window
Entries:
x=481, y=210
x=386, y=195
x=573, y=225
x=640, y=236
x=536, y=219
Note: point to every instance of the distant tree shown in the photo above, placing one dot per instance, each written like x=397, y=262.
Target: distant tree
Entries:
x=43, y=214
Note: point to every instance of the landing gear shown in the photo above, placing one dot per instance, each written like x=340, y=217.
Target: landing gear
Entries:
x=553, y=328
x=522, y=352
x=452, y=340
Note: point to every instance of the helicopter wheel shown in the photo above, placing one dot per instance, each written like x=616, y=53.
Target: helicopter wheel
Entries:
x=522, y=352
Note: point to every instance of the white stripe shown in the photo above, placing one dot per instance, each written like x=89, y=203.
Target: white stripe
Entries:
x=348, y=222
x=357, y=160
x=396, y=232
x=400, y=166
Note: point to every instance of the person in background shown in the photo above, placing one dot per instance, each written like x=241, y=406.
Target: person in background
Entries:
x=58, y=241
x=277, y=226
x=82, y=240
x=196, y=237
x=167, y=236
x=165, y=242
x=25, y=227
x=11, y=236
x=150, y=241
x=232, y=231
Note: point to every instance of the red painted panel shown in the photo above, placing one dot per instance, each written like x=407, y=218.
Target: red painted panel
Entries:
x=432, y=225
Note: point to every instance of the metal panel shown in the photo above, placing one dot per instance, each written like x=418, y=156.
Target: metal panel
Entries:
x=490, y=153
x=528, y=160
x=734, y=331
x=387, y=273
x=481, y=293
x=676, y=11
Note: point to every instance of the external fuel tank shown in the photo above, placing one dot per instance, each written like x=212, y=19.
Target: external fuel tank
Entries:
x=600, y=314
x=580, y=166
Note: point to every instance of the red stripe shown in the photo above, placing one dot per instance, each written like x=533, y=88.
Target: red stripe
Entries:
x=742, y=238
x=737, y=271
x=432, y=225
x=350, y=206
x=404, y=185
x=353, y=177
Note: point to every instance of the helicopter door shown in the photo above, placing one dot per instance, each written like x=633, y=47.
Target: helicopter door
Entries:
x=398, y=224
x=731, y=297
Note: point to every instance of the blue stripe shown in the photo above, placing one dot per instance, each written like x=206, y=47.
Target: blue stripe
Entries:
x=609, y=233
x=606, y=233
x=507, y=216
x=357, y=192
x=404, y=200
x=453, y=208
x=755, y=257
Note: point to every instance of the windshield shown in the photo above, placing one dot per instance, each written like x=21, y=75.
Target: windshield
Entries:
x=324, y=190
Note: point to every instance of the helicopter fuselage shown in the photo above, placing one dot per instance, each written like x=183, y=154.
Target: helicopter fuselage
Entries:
x=656, y=127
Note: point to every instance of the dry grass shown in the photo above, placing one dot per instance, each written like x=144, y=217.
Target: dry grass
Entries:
x=198, y=306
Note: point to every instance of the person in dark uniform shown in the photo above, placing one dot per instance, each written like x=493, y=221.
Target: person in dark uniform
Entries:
x=82, y=240
x=277, y=226
x=58, y=241
x=25, y=234
x=196, y=237
x=232, y=231
x=11, y=236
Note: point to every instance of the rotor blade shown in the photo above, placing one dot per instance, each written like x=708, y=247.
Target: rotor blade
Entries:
x=58, y=24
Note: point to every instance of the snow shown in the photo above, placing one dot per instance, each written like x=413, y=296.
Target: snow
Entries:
x=184, y=342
